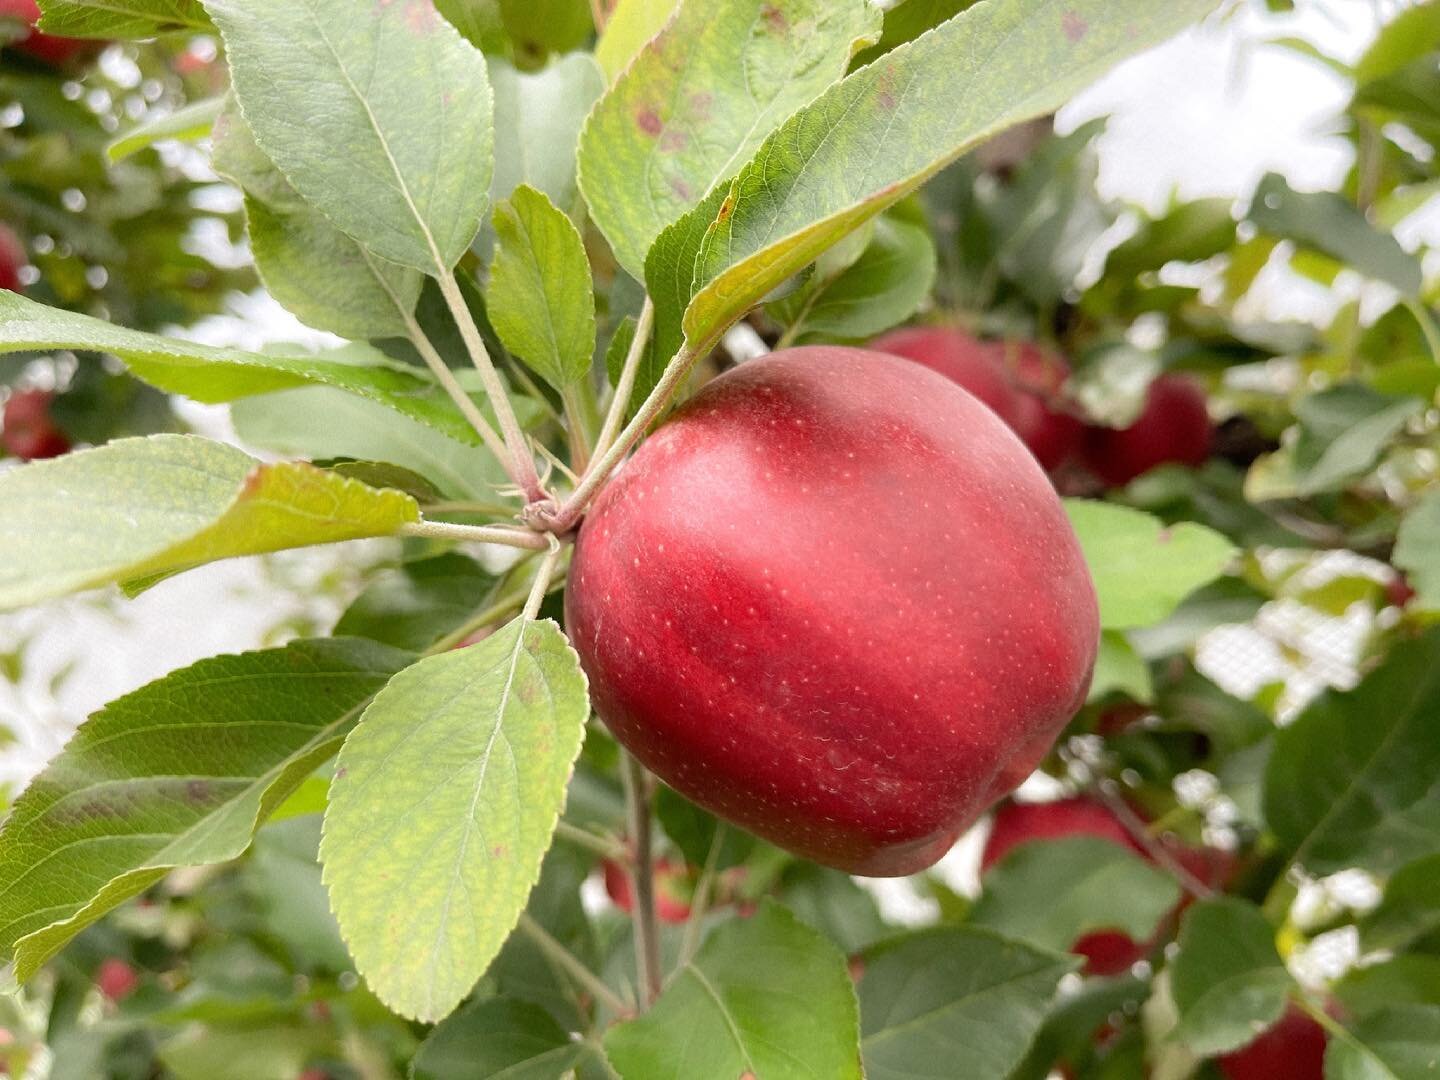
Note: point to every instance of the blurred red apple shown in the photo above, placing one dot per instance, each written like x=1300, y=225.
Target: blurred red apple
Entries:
x=26, y=429
x=674, y=888
x=56, y=51
x=1174, y=425
x=1018, y=380
x=116, y=979
x=1398, y=590
x=12, y=259
x=1294, y=1049
x=835, y=601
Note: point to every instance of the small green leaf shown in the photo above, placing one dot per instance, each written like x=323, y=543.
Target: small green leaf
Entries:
x=136, y=508
x=632, y=23
x=541, y=27
x=1051, y=893
x=1227, y=979
x=479, y=23
x=186, y=124
x=179, y=773
x=882, y=288
x=1355, y=779
x=869, y=141
x=443, y=804
x=765, y=995
x=1400, y=1043
x=936, y=998
x=907, y=20
x=698, y=100
x=1120, y=669
x=1417, y=551
x=494, y=1039
x=214, y=376
x=322, y=423
x=1330, y=224
x=122, y=18
x=541, y=298
x=619, y=348
x=1142, y=568
x=537, y=125
x=414, y=605
x=366, y=143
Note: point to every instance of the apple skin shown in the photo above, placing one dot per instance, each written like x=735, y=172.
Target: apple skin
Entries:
x=672, y=883
x=1014, y=378
x=12, y=258
x=835, y=601
x=1294, y=1049
x=1106, y=952
x=47, y=48
x=26, y=429
x=1174, y=425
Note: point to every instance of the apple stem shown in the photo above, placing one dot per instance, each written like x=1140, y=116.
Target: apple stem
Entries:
x=524, y=463
x=642, y=876
x=701, y=900
x=479, y=534
x=541, y=584
x=625, y=385
x=1162, y=856
x=582, y=975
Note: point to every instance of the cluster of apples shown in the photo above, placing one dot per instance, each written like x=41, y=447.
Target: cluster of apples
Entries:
x=1023, y=384
x=1291, y=1049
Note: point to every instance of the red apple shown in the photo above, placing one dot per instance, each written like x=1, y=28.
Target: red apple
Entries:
x=1398, y=590
x=956, y=355
x=674, y=885
x=1294, y=1049
x=116, y=979
x=12, y=258
x=1106, y=952
x=1173, y=426
x=26, y=429
x=56, y=51
x=835, y=601
x=1053, y=436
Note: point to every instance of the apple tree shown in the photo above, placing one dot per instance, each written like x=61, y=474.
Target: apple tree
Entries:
x=786, y=453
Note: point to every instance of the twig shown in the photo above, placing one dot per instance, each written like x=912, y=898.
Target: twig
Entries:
x=642, y=876
x=603, y=846
x=541, y=584
x=515, y=440
x=620, y=398
x=480, y=534
x=572, y=965
x=1158, y=852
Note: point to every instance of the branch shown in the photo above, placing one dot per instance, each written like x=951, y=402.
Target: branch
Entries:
x=479, y=534
x=515, y=440
x=1158, y=852
x=642, y=876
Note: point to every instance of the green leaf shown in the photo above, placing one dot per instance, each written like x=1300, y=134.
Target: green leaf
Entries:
x=907, y=20
x=1343, y=433
x=1417, y=551
x=1406, y=38
x=364, y=142
x=1190, y=232
x=1327, y=222
x=632, y=23
x=880, y=289
x=1051, y=893
x=832, y=903
x=322, y=276
x=541, y=27
x=496, y=1038
x=178, y=773
x=765, y=995
x=699, y=99
x=122, y=18
x=1142, y=568
x=1227, y=979
x=443, y=804
x=479, y=22
x=414, y=605
x=215, y=376
x=537, y=125
x=1410, y=978
x=541, y=296
x=1120, y=669
x=875, y=137
x=1410, y=908
x=933, y=999
x=137, y=508
x=322, y=423
x=619, y=349
x=186, y=124
x=1401, y=1043
x=1355, y=780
